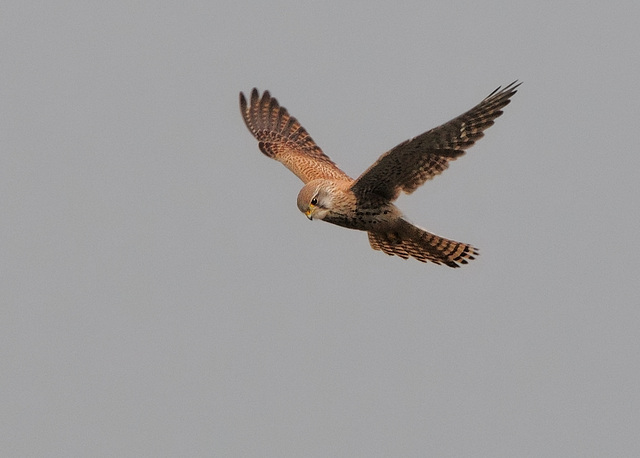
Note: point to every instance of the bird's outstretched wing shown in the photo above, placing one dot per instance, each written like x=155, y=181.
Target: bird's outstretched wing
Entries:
x=411, y=163
x=282, y=138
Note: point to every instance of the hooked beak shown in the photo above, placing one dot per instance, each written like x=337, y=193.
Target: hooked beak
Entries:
x=308, y=214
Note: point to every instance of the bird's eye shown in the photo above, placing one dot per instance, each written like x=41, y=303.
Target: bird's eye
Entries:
x=314, y=201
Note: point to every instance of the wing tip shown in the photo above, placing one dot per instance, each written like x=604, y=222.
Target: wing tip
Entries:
x=507, y=91
x=243, y=102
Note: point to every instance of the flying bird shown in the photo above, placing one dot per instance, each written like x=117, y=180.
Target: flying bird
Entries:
x=366, y=203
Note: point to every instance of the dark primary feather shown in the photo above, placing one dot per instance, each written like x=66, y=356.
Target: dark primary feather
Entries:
x=411, y=163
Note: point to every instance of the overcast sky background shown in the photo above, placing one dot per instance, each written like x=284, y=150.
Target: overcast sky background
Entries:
x=163, y=296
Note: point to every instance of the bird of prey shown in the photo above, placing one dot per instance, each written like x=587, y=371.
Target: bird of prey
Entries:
x=366, y=203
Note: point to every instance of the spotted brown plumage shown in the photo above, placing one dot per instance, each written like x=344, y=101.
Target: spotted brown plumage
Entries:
x=282, y=138
x=412, y=162
x=366, y=204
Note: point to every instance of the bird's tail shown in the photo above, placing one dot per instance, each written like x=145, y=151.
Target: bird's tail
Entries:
x=409, y=240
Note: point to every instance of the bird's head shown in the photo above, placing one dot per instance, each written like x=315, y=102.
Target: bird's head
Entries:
x=314, y=200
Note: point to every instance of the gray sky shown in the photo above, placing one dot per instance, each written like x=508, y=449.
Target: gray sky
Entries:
x=163, y=296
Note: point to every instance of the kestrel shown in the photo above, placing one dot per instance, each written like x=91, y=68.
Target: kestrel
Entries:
x=365, y=203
